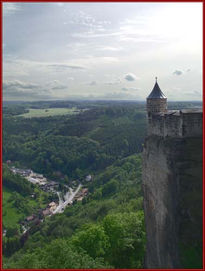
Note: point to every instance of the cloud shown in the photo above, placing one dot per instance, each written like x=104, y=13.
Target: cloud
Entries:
x=130, y=77
x=110, y=48
x=60, y=4
x=114, y=82
x=194, y=93
x=188, y=70
x=15, y=89
x=198, y=93
x=129, y=89
x=93, y=83
x=118, y=95
x=21, y=67
x=177, y=72
x=19, y=84
x=84, y=19
x=63, y=67
x=92, y=34
x=56, y=85
x=10, y=8
x=21, y=90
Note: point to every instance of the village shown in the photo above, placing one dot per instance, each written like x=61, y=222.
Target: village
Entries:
x=64, y=200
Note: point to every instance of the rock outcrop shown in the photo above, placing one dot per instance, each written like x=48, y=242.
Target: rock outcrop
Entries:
x=172, y=187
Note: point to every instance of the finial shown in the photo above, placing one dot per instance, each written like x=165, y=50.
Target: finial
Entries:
x=156, y=79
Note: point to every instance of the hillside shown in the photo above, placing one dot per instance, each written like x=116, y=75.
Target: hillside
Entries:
x=104, y=228
x=101, y=141
x=74, y=145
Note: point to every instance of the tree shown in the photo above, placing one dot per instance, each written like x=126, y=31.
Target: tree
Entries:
x=127, y=239
x=12, y=231
x=59, y=254
x=110, y=187
x=93, y=240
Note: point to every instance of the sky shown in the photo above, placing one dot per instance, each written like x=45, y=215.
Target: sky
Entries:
x=101, y=50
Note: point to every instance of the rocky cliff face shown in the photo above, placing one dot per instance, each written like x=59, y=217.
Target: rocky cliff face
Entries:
x=172, y=186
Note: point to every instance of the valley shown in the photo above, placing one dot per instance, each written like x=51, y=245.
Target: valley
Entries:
x=82, y=197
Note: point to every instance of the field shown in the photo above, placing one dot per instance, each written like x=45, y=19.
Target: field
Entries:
x=11, y=215
x=49, y=112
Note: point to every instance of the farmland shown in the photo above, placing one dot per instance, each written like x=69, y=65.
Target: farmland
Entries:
x=49, y=112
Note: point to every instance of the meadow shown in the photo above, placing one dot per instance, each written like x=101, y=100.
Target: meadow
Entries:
x=49, y=112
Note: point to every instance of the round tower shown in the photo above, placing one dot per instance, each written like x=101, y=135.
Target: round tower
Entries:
x=156, y=101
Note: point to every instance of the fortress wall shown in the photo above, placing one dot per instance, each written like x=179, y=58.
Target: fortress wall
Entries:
x=192, y=124
x=172, y=187
x=160, y=198
x=156, y=125
x=172, y=125
x=176, y=124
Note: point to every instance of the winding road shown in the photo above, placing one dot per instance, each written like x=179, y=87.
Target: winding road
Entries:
x=68, y=199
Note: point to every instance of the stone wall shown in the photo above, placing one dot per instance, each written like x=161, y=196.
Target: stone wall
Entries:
x=192, y=123
x=172, y=187
x=156, y=105
x=185, y=123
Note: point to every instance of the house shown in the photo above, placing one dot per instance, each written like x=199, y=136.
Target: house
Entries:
x=46, y=212
x=51, y=204
x=88, y=178
x=36, y=221
x=85, y=191
x=30, y=218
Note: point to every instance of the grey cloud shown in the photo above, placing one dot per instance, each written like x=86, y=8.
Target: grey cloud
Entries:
x=59, y=4
x=19, y=84
x=118, y=95
x=198, y=93
x=56, y=85
x=59, y=87
x=91, y=34
x=16, y=89
x=188, y=70
x=129, y=88
x=17, y=93
x=110, y=48
x=87, y=20
x=114, y=82
x=93, y=83
x=177, y=72
x=130, y=77
x=10, y=8
x=195, y=93
x=125, y=89
x=63, y=67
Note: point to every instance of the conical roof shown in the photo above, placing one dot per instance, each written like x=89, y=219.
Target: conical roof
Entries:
x=156, y=93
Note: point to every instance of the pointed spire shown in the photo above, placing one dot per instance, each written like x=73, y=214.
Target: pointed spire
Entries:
x=156, y=92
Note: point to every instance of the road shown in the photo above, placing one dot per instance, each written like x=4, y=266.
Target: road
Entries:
x=68, y=199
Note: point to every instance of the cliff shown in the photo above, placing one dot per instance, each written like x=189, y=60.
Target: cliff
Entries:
x=172, y=186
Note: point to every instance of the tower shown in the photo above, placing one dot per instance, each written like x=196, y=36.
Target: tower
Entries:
x=156, y=101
